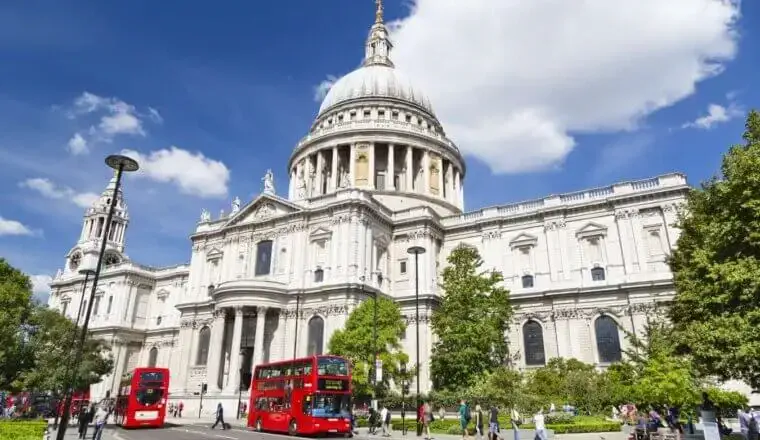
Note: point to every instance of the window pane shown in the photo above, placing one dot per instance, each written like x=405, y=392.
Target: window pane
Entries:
x=607, y=340
x=533, y=339
x=316, y=336
x=203, y=342
x=263, y=257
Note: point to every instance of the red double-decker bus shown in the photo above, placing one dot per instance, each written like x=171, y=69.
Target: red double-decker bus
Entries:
x=141, y=401
x=302, y=396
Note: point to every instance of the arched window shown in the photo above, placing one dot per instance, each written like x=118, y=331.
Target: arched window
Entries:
x=319, y=275
x=597, y=274
x=263, y=257
x=152, y=357
x=204, y=338
x=533, y=339
x=527, y=281
x=607, y=340
x=316, y=336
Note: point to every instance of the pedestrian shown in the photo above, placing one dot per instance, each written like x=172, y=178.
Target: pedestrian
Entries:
x=753, y=431
x=219, y=417
x=385, y=418
x=100, y=417
x=538, y=421
x=478, y=423
x=180, y=408
x=426, y=417
x=82, y=421
x=464, y=418
x=493, y=423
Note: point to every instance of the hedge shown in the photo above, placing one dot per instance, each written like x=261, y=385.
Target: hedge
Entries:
x=22, y=429
x=451, y=426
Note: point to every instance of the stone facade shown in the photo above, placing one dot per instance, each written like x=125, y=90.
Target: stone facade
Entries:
x=376, y=175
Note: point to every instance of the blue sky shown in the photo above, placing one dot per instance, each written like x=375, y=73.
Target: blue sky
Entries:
x=543, y=97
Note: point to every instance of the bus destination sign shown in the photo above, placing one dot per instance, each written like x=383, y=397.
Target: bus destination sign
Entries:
x=332, y=385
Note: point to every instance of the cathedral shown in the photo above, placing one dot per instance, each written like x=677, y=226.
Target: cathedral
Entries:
x=374, y=176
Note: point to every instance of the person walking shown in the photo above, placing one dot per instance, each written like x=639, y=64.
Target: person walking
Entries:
x=493, y=423
x=478, y=423
x=219, y=417
x=426, y=417
x=464, y=418
x=538, y=420
x=100, y=417
x=83, y=422
x=385, y=418
x=180, y=407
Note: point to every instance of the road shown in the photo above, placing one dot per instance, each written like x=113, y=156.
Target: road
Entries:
x=191, y=433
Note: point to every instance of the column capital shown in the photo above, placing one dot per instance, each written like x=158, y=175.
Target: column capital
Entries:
x=238, y=310
x=261, y=310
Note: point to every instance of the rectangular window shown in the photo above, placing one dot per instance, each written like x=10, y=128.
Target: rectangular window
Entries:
x=110, y=303
x=367, y=113
x=64, y=308
x=381, y=114
x=402, y=267
x=380, y=181
x=394, y=116
x=96, y=306
x=263, y=257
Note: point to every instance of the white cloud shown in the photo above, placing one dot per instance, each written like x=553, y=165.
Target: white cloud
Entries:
x=321, y=89
x=78, y=145
x=49, y=189
x=193, y=173
x=13, y=227
x=513, y=81
x=716, y=114
x=116, y=118
x=41, y=286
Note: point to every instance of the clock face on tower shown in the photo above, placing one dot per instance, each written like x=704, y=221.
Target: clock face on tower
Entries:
x=75, y=260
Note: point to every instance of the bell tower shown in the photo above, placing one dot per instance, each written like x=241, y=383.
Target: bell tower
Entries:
x=93, y=229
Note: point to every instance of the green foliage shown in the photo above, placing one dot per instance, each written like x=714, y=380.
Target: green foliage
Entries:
x=354, y=342
x=501, y=387
x=716, y=267
x=564, y=381
x=727, y=401
x=470, y=323
x=51, y=336
x=15, y=307
x=22, y=429
x=37, y=342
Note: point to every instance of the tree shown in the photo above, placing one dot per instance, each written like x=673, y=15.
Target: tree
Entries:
x=563, y=381
x=716, y=267
x=15, y=307
x=503, y=386
x=354, y=342
x=471, y=322
x=50, y=335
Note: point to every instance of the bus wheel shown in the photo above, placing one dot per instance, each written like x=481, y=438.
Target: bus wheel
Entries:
x=292, y=429
x=258, y=425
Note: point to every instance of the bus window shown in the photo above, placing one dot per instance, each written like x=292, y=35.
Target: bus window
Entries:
x=327, y=366
x=149, y=396
x=331, y=405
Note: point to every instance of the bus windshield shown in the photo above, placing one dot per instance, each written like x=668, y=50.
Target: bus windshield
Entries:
x=330, y=405
x=149, y=395
x=328, y=366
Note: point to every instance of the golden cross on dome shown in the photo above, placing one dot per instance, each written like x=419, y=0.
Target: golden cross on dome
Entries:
x=379, y=12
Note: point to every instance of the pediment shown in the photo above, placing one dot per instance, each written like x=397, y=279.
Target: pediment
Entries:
x=591, y=229
x=320, y=233
x=214, y=254
x=522, y=240
x=262, y=208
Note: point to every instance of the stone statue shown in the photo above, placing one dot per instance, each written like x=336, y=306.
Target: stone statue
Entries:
x=268, y=180
x=344, y=179
x=235, y=205
x=205, y=215
x=300, y=187
x=222, y=214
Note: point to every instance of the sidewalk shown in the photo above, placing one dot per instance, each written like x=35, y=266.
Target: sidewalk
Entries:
x=72, y=433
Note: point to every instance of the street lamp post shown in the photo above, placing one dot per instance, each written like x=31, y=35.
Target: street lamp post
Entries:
x=86, y=272
x=373, y=368
x=417, y=250
x=121, y=164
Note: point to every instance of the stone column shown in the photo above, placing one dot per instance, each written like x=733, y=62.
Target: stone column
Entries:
x=292, y=186
x=299, y=171
x=371, y=177
x=455, y=191
x=120, y=366
x=441, y=180
x=391, y=172
x=334, y=178
x=426, y=172
x=352, y=166
x=409, y=169
x=320, y=172
x=237, y=333
x=258, y=341
x=215, y=351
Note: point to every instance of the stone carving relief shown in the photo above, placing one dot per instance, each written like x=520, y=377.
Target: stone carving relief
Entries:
x=337, y=219
x=264, y=211
x=268, y=180
x=329, y=310
x=492, y=235
x=626, y=213
x=412, y=319
x=205, y=215
x=421, y=234
x=196, y=322
x=552, y=225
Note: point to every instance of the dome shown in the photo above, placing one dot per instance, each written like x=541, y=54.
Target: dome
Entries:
x=375, y=80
